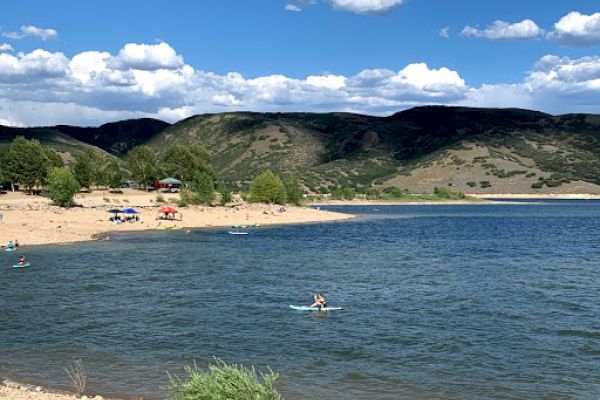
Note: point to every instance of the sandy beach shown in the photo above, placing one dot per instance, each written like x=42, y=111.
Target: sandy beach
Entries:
x=32, y=220
x=10, y=390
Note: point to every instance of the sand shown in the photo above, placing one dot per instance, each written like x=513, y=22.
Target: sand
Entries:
x=27, y=392
x=32, y=220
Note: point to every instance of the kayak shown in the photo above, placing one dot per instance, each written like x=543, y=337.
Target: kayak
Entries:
x=10, y=249
x=237, y=233
x=21, y=265
x=307, y=308
x=171, y=228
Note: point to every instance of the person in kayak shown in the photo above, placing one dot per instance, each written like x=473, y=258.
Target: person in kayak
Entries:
x=320, y=301
x=21, y=260
x=10, y=245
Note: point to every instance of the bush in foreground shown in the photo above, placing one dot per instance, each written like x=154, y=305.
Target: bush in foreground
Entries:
x=223, y=381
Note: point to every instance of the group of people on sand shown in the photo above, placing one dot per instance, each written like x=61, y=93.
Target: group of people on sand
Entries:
x=119, y=220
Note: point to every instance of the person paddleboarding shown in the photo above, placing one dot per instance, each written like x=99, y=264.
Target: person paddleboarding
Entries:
x=319, y=300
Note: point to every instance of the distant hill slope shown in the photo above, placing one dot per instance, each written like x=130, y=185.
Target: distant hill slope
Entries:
x=473, y=150
x=470, y=149
x=115, y=138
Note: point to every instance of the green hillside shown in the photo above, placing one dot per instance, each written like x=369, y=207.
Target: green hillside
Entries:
x=470, y=149
x=115, y=138
x=340, y=149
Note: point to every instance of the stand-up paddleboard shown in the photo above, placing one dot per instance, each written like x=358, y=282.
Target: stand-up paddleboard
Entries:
x=237, y=233
x=307, y=308
x=21, y=265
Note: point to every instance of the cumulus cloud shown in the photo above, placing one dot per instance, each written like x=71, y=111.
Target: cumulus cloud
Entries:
x=5, y=48
x=526, y=29
x=354, y=6
x=148, y=57
x=444, y=32
x=366, y=6
x=578, y=30
x=35, y=66
x=292, y=7
x=32, y=31
x=41, y=88
x=555, y=84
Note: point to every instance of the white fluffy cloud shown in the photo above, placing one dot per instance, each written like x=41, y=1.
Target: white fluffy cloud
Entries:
x=5, y=48
x=526, y=29
x=354, y=6
x=576, y=29
x=35, y=66
x=32, y=31
x=292, y=7
x=366, y=6
x=148, y=57
x=556, y=84
x=41, y=88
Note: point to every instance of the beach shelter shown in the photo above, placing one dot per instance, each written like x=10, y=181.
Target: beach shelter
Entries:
x=114, y=211
x=168, y=211
x=130, y=211
x=170, y=181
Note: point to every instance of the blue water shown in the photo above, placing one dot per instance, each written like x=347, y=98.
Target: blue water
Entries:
x=440, y=302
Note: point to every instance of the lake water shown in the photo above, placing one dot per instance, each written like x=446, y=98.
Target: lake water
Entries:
x=440, y=302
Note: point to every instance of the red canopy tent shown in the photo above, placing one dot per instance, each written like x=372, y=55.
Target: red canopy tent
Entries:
x=169, y=212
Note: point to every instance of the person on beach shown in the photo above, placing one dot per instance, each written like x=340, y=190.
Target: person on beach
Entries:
x=320, y=301
x=21, y=260
x=17, y=243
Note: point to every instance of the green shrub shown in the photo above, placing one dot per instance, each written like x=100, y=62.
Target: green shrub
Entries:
x=160, y=198
x=62, y=186
x=537, y=185
x=485, y=184
x=372, y=194
x=225, y=193
x=552, y=183
x=267, y=188
x=293, y=189
x=471, y=184
x=530, y=175
x=447, y=194
x=186, y=197
x=339, y=193
x=203, y=186
x=222, y=382
x=394, y=192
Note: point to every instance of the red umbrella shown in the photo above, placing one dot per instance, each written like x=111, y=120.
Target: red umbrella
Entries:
x=168, y=210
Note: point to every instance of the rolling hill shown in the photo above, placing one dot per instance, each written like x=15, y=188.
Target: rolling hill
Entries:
x=470, y=149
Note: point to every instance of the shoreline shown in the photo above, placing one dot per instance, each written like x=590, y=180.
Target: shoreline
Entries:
x=13, y=390
x=32, y=220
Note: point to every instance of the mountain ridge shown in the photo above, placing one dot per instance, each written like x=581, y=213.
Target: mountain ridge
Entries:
x=470, y=149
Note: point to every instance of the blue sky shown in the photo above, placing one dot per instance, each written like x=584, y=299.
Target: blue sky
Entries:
x=89, y=62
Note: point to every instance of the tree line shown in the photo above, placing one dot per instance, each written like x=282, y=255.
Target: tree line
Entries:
x=32, y=165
